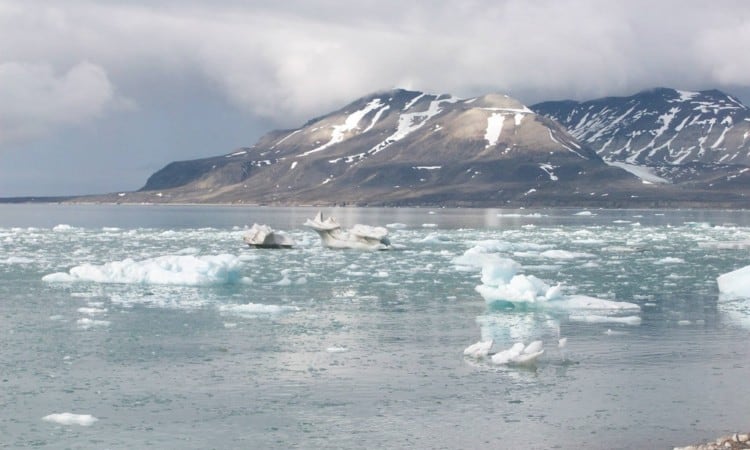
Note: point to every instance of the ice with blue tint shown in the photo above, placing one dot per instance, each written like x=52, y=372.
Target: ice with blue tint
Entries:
x=157, y=327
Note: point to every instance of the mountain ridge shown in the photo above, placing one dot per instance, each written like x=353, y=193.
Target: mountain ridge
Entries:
x=673, y=132
x=410, y=148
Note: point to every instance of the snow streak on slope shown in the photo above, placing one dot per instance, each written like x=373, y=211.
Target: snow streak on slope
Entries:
x=409, y=122
x=644, y=173
x=351, y=123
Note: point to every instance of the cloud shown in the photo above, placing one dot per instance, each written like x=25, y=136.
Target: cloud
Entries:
x=291, y=60
x=35, y=100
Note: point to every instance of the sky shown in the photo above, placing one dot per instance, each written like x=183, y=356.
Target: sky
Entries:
x=95, y=96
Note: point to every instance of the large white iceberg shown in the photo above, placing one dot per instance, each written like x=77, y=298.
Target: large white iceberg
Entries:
x=361, y=237
x=186, y=270
x=262, y=236
x=735, y=284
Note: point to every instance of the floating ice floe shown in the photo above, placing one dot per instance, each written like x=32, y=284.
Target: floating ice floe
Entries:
x=186, y=270
x=595, y=318
x=479, y=350
x=16, y=260
x=262, y=236
x=67, y=418
x=735, y=284
x=251, y=310
x=501, y=282
x=337, y=349
x=519, y=353
x=86, y=323
x=360, y=237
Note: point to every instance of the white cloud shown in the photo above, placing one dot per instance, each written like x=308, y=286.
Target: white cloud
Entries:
x=291, y=60
x=35, y=100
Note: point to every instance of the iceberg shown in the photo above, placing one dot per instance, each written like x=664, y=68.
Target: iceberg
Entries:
x=187, y=270
x=262, y=236
x=735, y=284
x=360, y=237
x=502, y=283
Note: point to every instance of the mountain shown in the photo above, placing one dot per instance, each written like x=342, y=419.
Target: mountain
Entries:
x=408, y=148
x=405, y=148
x=701, y=138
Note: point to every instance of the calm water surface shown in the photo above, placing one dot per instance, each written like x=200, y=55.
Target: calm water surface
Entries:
x=315, y=348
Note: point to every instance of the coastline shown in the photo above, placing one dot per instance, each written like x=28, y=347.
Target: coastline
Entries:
x=736, y=441
x=106, y=199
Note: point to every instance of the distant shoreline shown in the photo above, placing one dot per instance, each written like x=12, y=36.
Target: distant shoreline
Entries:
x=102, y=200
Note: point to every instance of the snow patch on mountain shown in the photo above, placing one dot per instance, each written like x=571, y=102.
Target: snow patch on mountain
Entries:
x=494, y=128
x=644, y=173
x=350, y=124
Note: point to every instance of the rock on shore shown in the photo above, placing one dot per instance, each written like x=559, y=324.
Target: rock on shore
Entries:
x=734, y=442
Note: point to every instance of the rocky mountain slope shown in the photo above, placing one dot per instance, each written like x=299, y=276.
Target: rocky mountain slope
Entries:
x=699, y=137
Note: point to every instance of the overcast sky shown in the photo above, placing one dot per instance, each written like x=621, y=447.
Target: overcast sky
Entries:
x=97, y=95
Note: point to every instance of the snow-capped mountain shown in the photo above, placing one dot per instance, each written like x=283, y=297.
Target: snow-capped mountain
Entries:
x=404, y=147
x=677, y=135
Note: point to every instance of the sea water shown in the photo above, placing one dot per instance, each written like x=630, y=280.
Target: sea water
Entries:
x=155, y=327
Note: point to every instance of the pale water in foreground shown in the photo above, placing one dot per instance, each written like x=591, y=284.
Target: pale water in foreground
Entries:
x=154, y=327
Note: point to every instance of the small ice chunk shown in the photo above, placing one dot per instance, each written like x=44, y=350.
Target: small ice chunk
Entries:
x=564, y=254
x=586, y=302
x=336, y=349
x=396, y=225
x=670, y=260
x=62, y=228
x=86, y=323
x=255, y=309
x=478, y=350
x=519, y=354
x=67, y=418
x=91, y=311
x=594, y=318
